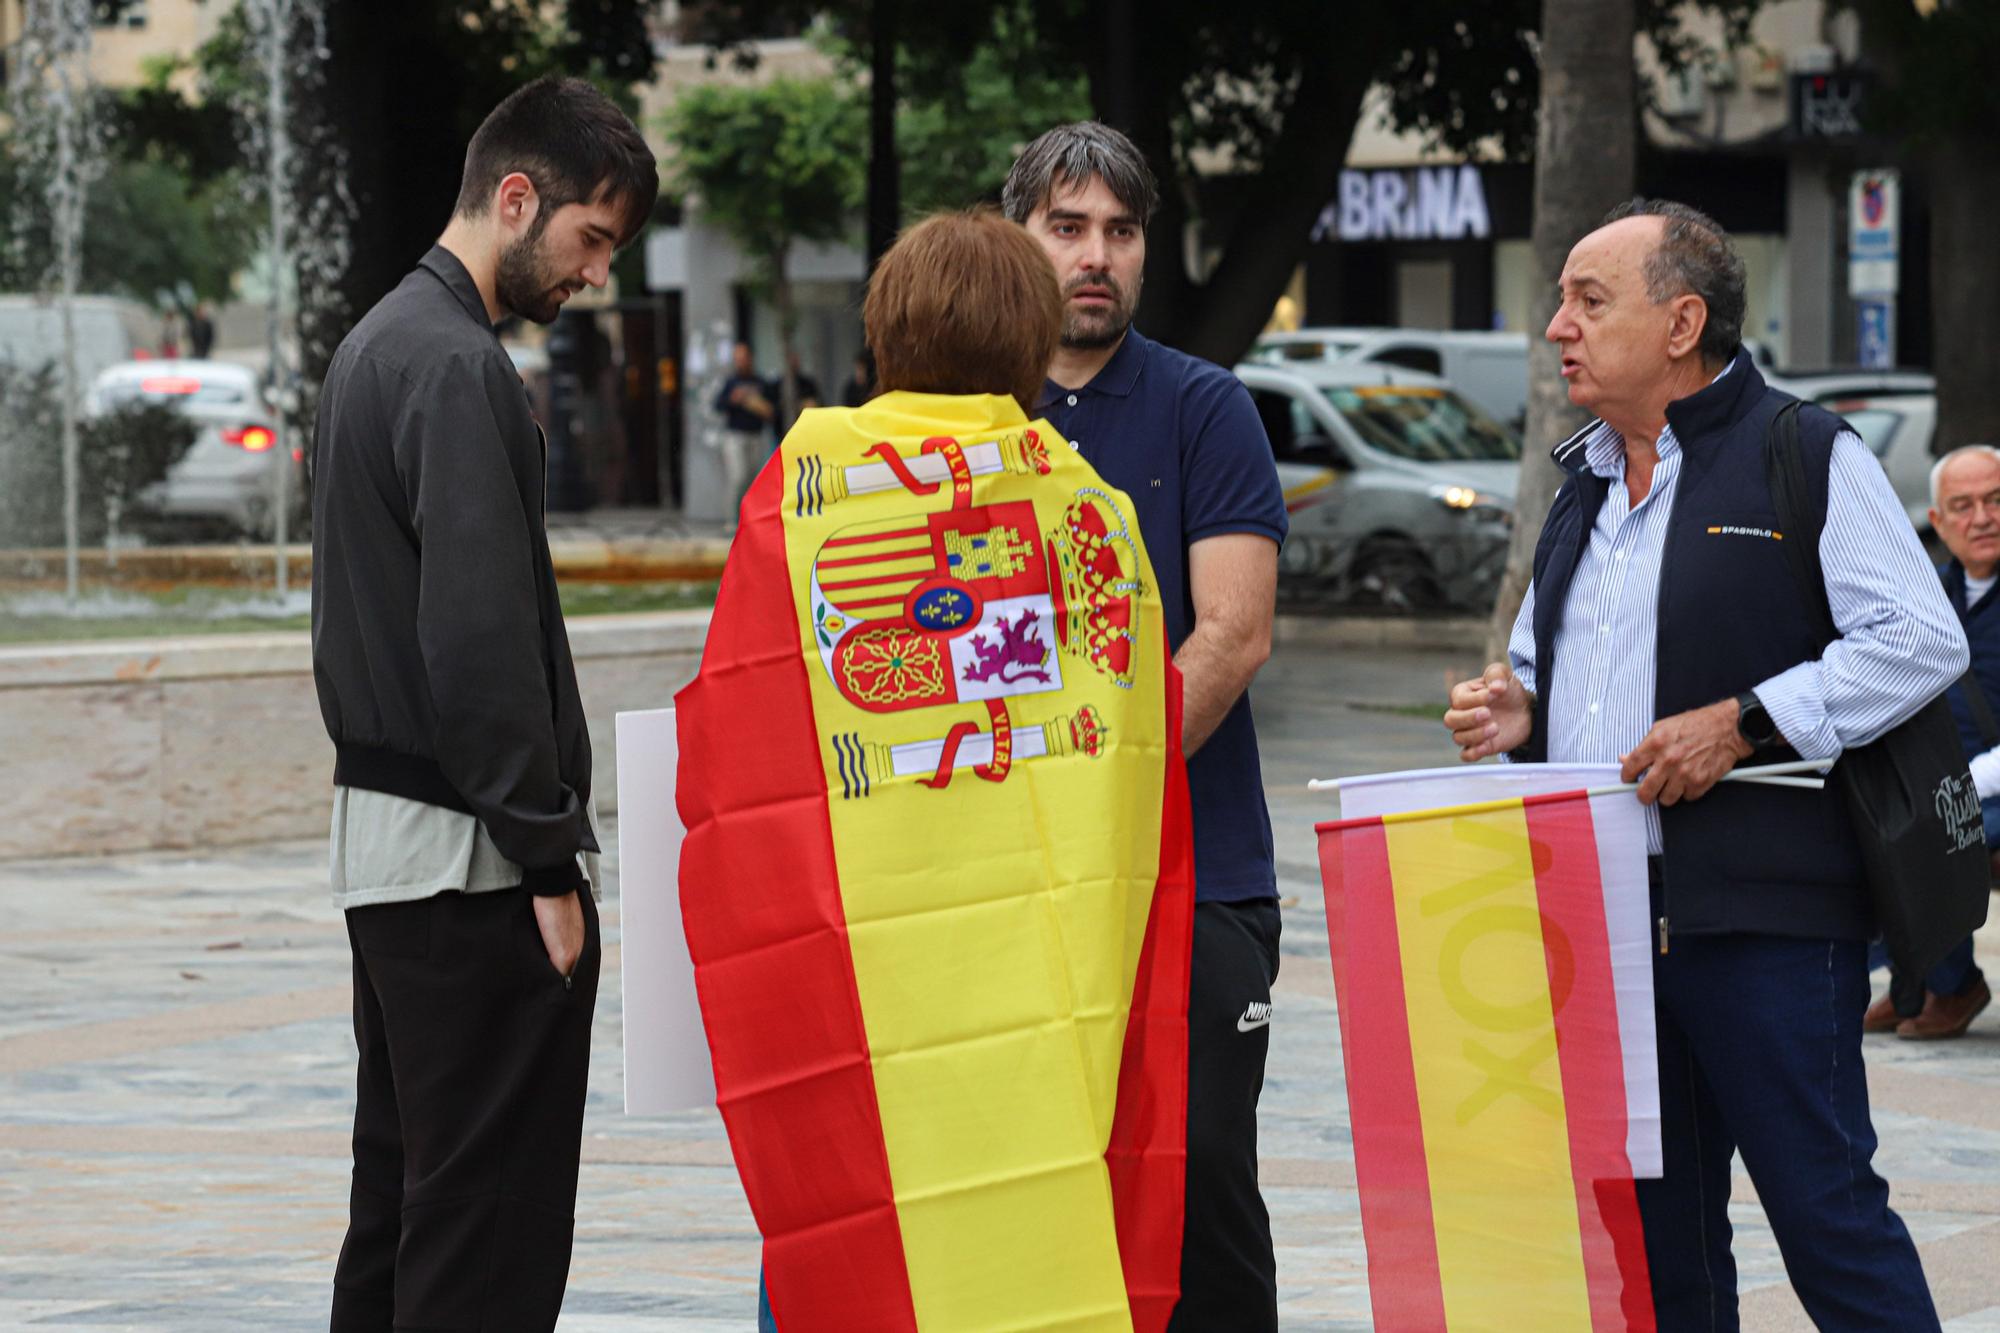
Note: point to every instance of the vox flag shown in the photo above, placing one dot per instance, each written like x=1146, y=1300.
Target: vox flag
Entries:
x=1486, y=1062
x=937, y=880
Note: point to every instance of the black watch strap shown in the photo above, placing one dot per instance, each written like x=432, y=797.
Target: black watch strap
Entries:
x=1753, y=721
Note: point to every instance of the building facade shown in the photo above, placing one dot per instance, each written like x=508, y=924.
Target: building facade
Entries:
x=1765, y=137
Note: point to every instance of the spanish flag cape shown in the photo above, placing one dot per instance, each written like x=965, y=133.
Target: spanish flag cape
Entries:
x=937, y=882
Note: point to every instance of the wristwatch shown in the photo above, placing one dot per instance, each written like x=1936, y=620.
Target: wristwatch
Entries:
x=1754, y=722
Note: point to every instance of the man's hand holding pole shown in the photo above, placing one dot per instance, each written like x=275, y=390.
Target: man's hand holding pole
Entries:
x=1686, y=754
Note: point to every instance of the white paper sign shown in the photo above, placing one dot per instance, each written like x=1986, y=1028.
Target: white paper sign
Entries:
x=666, y=1052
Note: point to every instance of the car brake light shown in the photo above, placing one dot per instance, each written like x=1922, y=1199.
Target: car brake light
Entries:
x=255, y=439
x=177, y=384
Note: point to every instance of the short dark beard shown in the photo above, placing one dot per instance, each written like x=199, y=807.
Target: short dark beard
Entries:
x=1091, y=332
x=522, y=281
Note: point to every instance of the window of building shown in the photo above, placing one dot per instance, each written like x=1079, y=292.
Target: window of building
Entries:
x=126, y=14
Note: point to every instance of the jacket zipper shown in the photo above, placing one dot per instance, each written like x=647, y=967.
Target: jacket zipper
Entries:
x=1659, y=622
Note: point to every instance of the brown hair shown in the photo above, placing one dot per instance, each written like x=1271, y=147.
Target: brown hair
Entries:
x=964, y=303
x=575, y=145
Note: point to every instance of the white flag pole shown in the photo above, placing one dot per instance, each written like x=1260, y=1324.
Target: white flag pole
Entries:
x=1774, y=775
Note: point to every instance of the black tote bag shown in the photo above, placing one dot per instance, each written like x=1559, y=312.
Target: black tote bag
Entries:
x=1909, y=793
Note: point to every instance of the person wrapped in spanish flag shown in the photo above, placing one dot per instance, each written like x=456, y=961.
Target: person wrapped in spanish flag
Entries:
x=937, y=882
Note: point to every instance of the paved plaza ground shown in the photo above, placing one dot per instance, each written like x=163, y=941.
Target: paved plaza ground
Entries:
x=176, y=1082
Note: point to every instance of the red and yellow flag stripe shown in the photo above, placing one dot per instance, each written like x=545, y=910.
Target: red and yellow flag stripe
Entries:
x=1485, y=1079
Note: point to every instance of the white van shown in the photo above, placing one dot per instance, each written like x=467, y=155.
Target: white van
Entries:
x=109, y=329
x=1400, y=492
x=1489, y=369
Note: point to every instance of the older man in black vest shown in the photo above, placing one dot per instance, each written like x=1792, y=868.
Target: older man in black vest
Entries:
x=1665, y=631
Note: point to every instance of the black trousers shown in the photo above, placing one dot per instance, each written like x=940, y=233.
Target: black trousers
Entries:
x=1229, y=1275
x=468, y=1116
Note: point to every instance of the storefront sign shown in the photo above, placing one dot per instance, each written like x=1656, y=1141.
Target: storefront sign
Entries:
x=1415, y=204
x=1827, y=105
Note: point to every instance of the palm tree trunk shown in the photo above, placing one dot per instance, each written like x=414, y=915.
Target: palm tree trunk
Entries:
x=1585, y=148
x=1965, y=292
x=788, y=318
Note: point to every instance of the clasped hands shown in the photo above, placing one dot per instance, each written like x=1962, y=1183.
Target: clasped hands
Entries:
x=1680, y=758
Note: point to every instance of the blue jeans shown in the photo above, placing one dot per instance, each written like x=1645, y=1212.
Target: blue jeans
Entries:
x=1760, y=1052
x=1954, y=976
x=765, y=1323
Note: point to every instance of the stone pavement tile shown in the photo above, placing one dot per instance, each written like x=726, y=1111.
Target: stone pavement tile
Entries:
x=176, y=1083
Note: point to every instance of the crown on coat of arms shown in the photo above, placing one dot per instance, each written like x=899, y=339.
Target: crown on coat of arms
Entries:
x=1097, y=577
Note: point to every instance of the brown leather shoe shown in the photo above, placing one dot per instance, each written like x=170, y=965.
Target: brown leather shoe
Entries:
x=1946, y=1015
x=1881, y=1016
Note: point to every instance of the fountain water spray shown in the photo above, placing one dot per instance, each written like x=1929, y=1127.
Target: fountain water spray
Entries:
x=53, y=108
x=289, y=38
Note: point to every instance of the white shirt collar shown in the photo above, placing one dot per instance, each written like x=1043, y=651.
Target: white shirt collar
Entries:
x=1604, y=450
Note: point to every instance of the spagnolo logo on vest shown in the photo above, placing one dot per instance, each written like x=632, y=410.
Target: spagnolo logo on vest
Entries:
x=1957, y=804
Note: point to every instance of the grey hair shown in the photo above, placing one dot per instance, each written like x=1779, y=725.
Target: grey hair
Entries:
x=1694, y=256
x=1070, y=155
x=1963, y=451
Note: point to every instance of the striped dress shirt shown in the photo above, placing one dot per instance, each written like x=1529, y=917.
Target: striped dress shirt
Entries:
x=1900, y=642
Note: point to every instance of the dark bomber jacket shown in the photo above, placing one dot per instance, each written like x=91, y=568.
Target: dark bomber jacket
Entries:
x=443, y=668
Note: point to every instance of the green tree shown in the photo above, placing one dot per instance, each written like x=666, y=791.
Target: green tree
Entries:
x=164, y=239
x=150, y=233
x=1270, y=89
x=193, y=132
x=771, y=164
x=962, y=117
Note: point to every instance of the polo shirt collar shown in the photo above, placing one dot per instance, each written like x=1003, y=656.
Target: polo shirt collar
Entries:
x=447, y=269
x=1117, y=379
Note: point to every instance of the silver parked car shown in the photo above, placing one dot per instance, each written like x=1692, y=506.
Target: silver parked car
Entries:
x=1895, y=414
x=1401, y=492
x=1490, y=369
x=229, y=476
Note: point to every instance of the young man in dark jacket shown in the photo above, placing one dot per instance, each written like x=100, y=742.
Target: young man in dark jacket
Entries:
x=462, y=849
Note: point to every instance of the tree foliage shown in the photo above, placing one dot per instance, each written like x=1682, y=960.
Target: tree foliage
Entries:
x=163, y=222
x=771, y=163
x=963, y=115
x=1265, y=92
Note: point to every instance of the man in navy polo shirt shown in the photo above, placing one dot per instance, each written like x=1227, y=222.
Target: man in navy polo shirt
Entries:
x=1181, y=437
